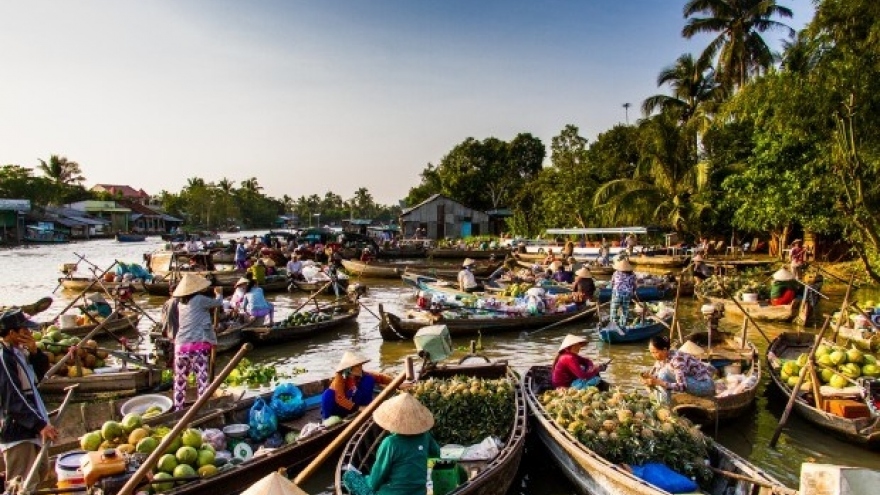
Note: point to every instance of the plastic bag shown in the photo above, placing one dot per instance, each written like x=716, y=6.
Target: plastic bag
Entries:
x=262, y=420
x=287, y=402
x=483, y=451
x=215, y=438
x=661, y=476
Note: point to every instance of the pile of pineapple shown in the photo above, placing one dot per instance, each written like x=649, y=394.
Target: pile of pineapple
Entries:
x=467, y=410
x=630, y=428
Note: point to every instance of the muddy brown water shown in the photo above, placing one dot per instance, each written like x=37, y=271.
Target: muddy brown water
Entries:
x=28, y=273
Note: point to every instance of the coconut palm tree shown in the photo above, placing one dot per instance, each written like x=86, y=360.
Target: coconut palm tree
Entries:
x=693, y=87
x=741, y=51
x=61, y=170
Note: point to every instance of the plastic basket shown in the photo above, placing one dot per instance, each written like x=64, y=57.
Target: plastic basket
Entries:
x=446, y=476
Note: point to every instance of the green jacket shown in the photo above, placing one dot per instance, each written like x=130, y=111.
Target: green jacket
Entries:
x=401, y=466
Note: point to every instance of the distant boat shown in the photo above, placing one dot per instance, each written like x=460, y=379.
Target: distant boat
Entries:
x=234, y=228
x=37, y=235
x=120, y=237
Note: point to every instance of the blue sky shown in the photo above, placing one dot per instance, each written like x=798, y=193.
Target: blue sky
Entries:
x=317, y=96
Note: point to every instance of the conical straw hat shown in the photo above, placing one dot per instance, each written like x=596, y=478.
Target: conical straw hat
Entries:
x=468, y=262
x=191, y=284
x=623, y=265
x=571, y=340
x=404, y=414
x=350, y=359
x=783, y=275
x=274, y=484
x=584, y=272
x=242, y=281
x=691, y=348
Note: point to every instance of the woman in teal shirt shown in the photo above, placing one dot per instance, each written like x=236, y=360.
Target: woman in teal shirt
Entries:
x=401, y=466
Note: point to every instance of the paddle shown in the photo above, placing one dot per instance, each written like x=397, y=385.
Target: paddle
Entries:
x=800, y=380
x=348, y=431
x=570, y=319
x=775, y=489
x=314, y=294
x=31, y=480
x=182, y=424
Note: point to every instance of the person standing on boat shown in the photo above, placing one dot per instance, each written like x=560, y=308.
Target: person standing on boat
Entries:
x=195, y=338
x=677, y=371
x=351, y=387
x=401, y=465
x=630, y=243
x=241, y=255
x=701, y=269
x=467, y=282
x=798, y=257
x=570, y=369
x=584, y=287
x=25, y=419
x=623, y=286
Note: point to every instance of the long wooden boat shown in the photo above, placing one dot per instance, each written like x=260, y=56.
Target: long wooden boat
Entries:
x=102, y=386
x=339, y=315
x=120, y=237
x=592, y=474
x=598, y=271
x=861, y=431
x=492, y=477
x=761, y=310
x=643, y=293
x=124, y=324
x=635, y=333
x=659, y=261
x=467, y=253
x=80, y=284
x=393, y=327
x=726, y=354
x=273, y=283
x=372, y=269
x=379, y=269
x=337, y=288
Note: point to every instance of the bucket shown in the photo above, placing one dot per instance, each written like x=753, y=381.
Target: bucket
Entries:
x=67, y=321
x=750, y=297
x=67, y=469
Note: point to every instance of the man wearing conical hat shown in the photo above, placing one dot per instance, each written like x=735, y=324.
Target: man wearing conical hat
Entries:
x=570, y=369
x=784, y=288
x=401, y=465
x=351, y=387
x=623, y=286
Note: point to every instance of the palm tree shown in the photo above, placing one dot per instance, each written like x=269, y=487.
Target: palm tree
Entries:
x=626, y=111
x=61, y=171
x=693, y=86
x=252, y=185
x=740, y=49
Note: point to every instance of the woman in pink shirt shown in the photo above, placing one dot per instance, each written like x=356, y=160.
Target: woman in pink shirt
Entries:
x=570, y=369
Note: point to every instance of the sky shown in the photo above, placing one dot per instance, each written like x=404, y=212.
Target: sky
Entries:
x=317, y=96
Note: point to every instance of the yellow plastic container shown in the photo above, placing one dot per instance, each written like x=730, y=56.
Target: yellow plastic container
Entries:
x=97, y=465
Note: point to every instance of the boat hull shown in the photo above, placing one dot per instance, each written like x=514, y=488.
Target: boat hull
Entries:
x=80, y=284
x=102, y=386
x=274, y=335
x=639, y=333
x=758, y=311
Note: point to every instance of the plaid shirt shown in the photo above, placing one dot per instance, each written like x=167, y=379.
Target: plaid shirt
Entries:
x=682, y=365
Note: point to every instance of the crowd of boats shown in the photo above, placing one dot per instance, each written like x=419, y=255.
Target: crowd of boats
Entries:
x=442, y=311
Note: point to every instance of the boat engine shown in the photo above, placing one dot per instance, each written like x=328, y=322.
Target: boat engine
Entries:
x=712, y=313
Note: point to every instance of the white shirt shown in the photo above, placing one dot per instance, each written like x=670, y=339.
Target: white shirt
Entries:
x=466, y=279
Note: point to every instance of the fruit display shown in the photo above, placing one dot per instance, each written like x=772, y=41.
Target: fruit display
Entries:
x=467, y=410
x=836, y=366
x=516, y=289
x=748, y=281
x=630, y=428
x=56, y=344
x=303, y=318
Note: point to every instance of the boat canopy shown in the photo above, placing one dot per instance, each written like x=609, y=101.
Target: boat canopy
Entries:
x=599, y=231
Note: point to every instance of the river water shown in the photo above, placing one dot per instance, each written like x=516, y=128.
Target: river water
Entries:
x=29, y=273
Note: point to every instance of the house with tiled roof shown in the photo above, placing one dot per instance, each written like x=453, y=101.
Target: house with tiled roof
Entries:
x=148, y=220
x=127, y=193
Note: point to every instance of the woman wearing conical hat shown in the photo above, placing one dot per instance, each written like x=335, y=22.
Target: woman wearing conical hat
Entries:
x=784, y=288
x=570, y=369
x=467, y=282
x=623, y=286
x=401, y=466
x=584, y=287
x=351, y=387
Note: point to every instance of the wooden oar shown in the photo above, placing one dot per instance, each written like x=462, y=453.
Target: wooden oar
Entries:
x=31, y=480
x=570, y=319
x=349, y=430
x=800, y=380
x=776, y=489
x=301, y=306
x=61, y=362
x=182, y=424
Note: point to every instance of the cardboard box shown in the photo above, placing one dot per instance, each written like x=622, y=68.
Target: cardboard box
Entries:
x=847, y=408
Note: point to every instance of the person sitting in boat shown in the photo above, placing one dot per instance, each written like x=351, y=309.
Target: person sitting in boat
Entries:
x=233, y=304
x=701, y=269
x=570, y=369
x=255, y=305
x=401, y=465
x=193, y=246
x=467, y=282
x=507, y=270
x=798, y=257
x=550, y=258
x=258, y=271
x=351, y=387
x=367, y=255
x=294, y=267
x=784, y=288
x=560, y=274
x=572, y=265
x=97, y=305
x=623, y=286
x=677, y=371
x=584, y=287
x=604, y=256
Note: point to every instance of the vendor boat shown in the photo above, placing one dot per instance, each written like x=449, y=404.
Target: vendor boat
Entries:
x=122, y=324
x=639, y=331
x=111, y=383
x=326, y=319
x=79, y=284
x=122, y=237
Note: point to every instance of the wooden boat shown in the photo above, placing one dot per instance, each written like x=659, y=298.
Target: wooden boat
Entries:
x=393, y=327
x=726, y=353
x=80, y=284
x=339, y=315
x=761, y=310
x=492, y=477
x=124, y=324
x=639, y=332
x=273, y=283
x=861, y=431
x=598, y=271
x=35, y=235
x=592, y=474
x=643, y=293
x=659, y=261
x=372, y=269
x=103, y=386
x=121, y=237
x=335, y=289
x=228, y=339
x=477, y=254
